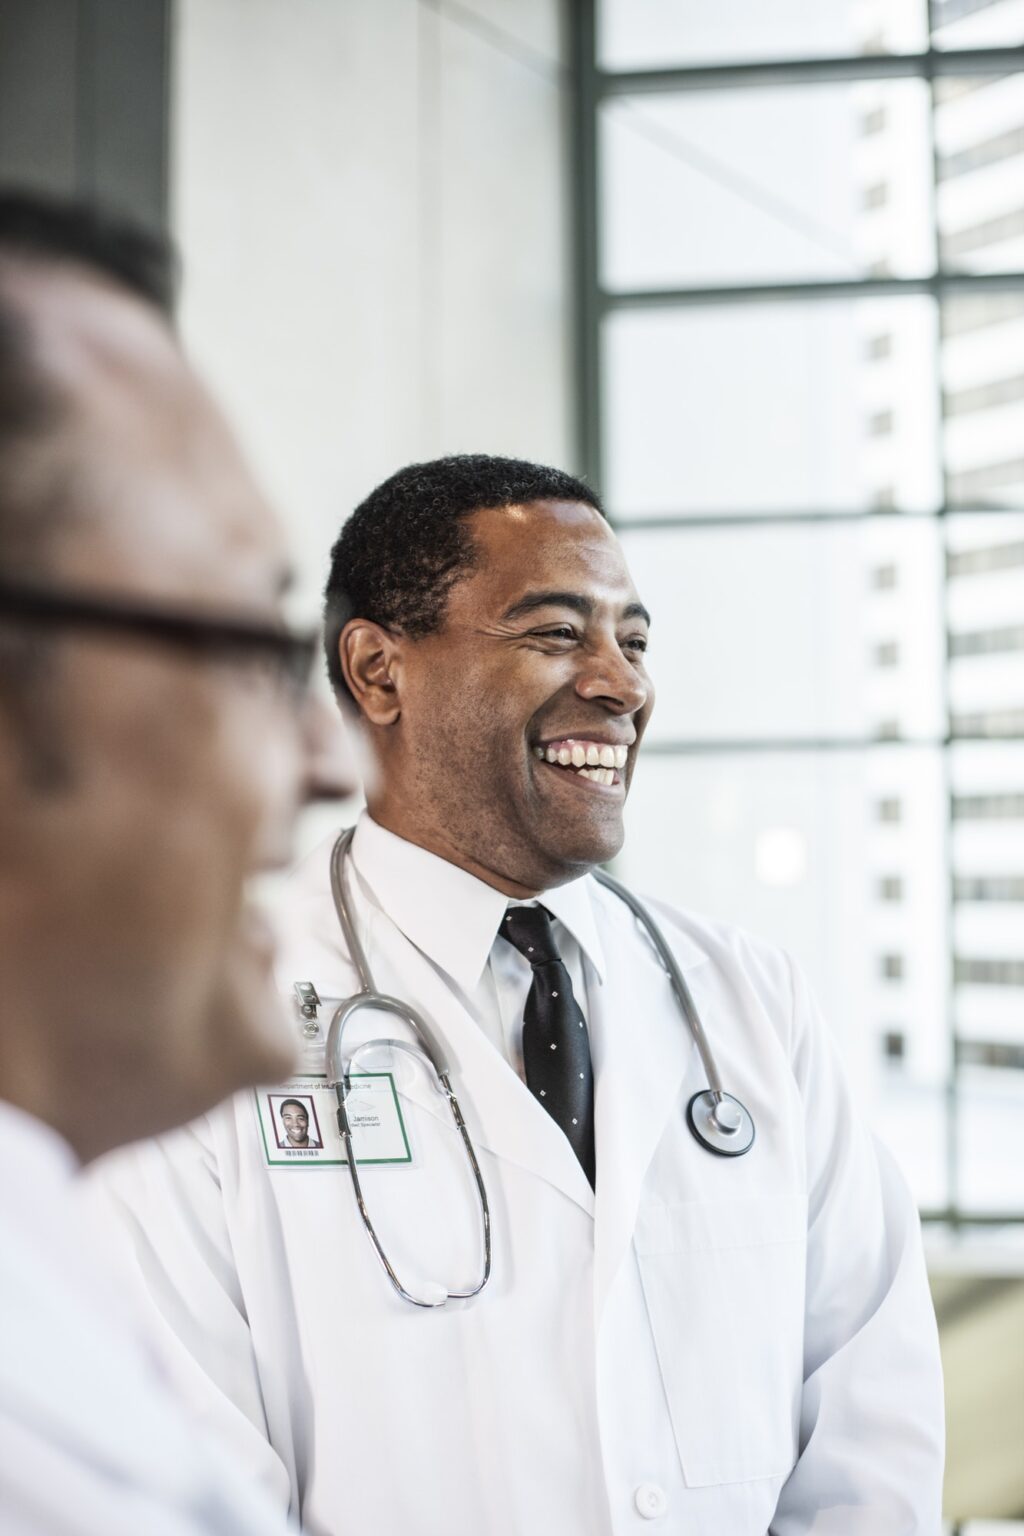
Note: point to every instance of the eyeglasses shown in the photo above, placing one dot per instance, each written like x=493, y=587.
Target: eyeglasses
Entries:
x=290, y=653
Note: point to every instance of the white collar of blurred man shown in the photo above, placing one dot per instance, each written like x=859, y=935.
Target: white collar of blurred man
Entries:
x=154, y=760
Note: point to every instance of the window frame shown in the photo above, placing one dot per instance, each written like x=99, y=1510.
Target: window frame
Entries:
x=594, y=304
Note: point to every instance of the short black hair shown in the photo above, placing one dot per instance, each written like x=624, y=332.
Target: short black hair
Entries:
x=298, y=1105
x=141, y=260
x=404, y=548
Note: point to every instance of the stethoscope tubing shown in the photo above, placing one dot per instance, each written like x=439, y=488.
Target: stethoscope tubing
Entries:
x=717, y=1120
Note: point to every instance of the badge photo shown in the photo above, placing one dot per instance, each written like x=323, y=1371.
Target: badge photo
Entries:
x=299, y=1126
x=296, y=1122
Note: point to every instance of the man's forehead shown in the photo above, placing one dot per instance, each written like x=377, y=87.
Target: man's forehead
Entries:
x=80, y=321
x=547, y=544
x=158, y=480
x=546, y=517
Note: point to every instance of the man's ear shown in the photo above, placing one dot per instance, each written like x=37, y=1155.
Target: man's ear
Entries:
x=370, y=660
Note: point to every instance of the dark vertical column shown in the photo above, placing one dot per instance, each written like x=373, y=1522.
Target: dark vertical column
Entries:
x=84, y=99
x=585, y=220
x=38, y=92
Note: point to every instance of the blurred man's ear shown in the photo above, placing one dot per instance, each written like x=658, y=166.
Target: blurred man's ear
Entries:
x=370, y=659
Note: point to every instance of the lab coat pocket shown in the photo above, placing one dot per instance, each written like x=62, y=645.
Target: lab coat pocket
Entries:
x=724, y=1286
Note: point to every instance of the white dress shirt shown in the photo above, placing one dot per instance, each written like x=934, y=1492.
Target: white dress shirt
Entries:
x=454, y=920
x=91, y=1439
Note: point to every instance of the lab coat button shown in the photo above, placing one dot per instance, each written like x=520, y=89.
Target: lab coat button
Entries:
x=650, y=1501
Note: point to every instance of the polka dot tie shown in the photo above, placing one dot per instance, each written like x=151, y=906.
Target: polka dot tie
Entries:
x=556, y=1049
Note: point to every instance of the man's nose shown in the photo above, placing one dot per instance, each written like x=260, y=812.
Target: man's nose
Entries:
x=610, y=678
x=329, y=760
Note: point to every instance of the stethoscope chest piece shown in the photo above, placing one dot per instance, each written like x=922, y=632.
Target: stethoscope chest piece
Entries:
x=720, y=1123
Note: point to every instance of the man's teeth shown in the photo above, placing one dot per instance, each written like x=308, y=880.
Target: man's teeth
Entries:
x=594, y=760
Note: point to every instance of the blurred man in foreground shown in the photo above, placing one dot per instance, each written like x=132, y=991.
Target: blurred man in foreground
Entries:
x=156, y=743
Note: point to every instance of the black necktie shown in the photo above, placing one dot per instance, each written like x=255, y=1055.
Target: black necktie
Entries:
x=556, y=1050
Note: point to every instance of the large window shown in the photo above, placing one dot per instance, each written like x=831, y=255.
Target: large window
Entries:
x=802, y=385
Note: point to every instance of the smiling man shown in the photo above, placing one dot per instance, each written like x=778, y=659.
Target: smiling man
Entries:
x=295, y=1124
x=719, y=1343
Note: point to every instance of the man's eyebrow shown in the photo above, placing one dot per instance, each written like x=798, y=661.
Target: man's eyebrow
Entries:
x=574, y=600
x=534, y=600
x=637, y=611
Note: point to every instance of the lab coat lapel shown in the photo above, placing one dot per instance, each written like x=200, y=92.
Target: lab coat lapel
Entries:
x=500, y=1111
x=642, y=1053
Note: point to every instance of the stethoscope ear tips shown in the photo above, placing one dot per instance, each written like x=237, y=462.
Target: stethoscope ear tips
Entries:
x=720, y=1123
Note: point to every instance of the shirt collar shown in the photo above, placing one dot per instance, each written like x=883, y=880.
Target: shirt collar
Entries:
x=448, y=913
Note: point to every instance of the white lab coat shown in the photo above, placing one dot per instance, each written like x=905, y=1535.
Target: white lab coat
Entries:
x=712, y=1345
x=92, y=1441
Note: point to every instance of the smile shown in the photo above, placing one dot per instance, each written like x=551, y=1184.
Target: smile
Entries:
x=595, y=760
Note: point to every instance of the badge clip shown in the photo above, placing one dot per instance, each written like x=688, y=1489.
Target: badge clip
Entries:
x=309, y=1003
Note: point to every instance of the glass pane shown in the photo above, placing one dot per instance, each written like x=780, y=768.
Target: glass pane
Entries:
x=985, y=605
x=716, y=187
x=990, y=1137
x=979, y=142
x=634, y=34
x=987, y=782
x=983, y=399
x=771, y=407
x=977, y=23
x=795, y=847
x=803, y=631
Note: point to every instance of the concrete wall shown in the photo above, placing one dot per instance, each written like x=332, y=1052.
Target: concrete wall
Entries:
x=373, y=205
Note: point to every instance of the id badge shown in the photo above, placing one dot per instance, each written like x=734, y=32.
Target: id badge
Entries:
x=298, y=1122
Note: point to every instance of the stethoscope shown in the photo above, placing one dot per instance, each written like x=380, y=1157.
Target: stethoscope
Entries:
x=718, y=1120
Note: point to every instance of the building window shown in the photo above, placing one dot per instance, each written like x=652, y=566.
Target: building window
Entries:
x=985, y=397
x=988, y=888
x=887, y=653
x=988, y=724
x=976, y=484
x=878, y=347
x=1001, y=146
x=884, y=578
x=978, y=237
x=876, y=196
x=891, y=967
x=894, y=1047
x=880, y=424
x=999, y=807
x=990, y=557
x=988, y=642
x=953, y=89
x=976, y=311
x=891, y=809
x=948, y=11
x=990, y=1053
x=890, y=888
x=969, y=971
